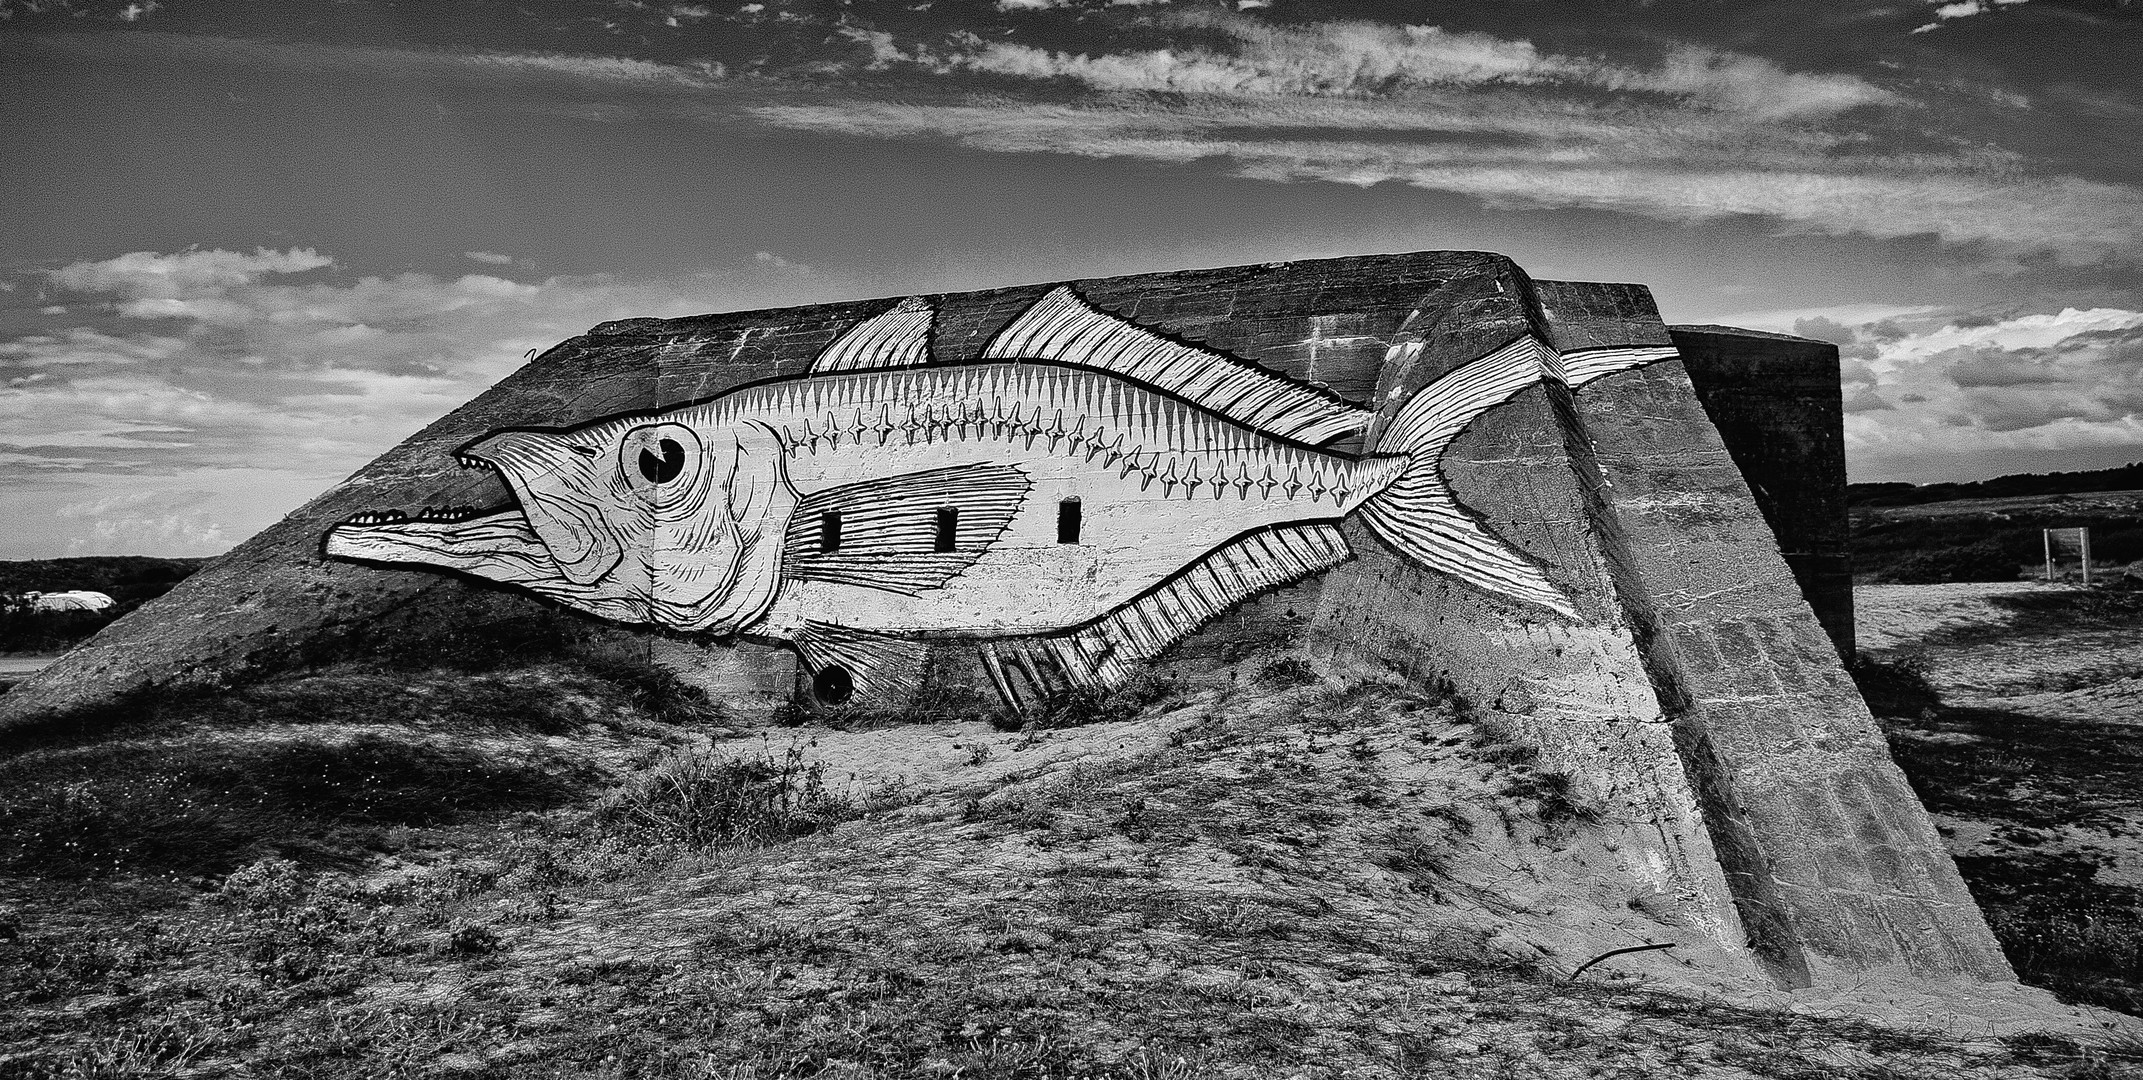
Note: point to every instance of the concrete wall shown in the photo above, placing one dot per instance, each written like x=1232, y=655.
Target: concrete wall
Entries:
x=1836, y=865
x=1778, y=406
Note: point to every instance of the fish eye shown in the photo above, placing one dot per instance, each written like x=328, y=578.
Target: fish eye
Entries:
x=656, y=457
x=662, y=470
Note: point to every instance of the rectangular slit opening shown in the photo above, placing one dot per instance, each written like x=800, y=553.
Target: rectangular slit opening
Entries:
x=830, y=531
x=948, y=528
x=1068, y=521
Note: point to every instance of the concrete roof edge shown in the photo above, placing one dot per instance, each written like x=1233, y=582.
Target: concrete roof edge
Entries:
x=649, y=325
x=1739, y=331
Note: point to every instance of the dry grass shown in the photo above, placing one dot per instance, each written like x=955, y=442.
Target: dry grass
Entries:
x=1254, y=895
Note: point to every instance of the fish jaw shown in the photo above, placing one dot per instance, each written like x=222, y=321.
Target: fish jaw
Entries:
x=498, y=545
x=569, y=496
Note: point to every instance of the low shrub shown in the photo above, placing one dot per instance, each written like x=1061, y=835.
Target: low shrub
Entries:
x=2061, y=928
x=1079, y=706
x=698, y=800
x=48, y=631
x=290, y=930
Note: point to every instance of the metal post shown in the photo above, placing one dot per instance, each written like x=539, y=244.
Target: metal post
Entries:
x=2083, y=536
x=2046, y=537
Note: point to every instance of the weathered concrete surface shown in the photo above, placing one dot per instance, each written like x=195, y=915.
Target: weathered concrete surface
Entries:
x=1779, y=409
x=1768, y=717
x=1579, y=691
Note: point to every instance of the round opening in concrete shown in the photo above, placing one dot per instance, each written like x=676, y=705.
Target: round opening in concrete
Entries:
x=832, y=685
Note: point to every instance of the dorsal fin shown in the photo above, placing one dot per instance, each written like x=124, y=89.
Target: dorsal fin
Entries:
x=1065, y=328
x=898, y=338
x=888, y=530
x=1584, y=365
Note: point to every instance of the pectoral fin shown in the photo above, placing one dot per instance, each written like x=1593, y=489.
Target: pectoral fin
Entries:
x=888, y=529
x=850, y=666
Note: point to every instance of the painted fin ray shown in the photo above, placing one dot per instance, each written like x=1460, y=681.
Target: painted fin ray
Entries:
x=898, y=338
x=1063, y=327
x=1417, y=513
x=881, y=669
x=889, y=527
x=1104, y=652
x=1582, y=366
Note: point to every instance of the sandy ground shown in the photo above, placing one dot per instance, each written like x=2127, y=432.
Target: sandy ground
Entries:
x=2080, y=676
x=1982, y=655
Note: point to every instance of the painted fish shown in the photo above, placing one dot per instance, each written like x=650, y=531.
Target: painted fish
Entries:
x=1086, y=494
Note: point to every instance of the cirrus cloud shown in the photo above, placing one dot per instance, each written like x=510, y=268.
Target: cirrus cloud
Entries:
x=1363, y=59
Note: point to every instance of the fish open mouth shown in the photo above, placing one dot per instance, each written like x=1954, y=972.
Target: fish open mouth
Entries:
x=444, y=515
x=498, y=543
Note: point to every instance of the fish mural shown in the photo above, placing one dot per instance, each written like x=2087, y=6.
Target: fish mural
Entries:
x=1084, y=495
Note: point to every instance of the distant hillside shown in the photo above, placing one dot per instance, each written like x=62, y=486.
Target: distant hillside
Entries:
x=132, y=580
x=2122, y=478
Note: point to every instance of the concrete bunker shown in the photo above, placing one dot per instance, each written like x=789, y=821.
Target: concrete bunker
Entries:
x=1624, y=539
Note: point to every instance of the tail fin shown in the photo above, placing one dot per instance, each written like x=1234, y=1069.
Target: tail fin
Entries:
x=1417, y=514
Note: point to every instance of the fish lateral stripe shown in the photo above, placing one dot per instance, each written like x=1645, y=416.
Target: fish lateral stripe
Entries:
x=1590, y=365
x=1062, y=327
x=898, y=338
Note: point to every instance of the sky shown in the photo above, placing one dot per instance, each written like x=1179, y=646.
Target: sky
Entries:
x=246, y=246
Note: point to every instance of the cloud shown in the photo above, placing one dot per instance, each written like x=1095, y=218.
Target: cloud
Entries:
x=143, y=519
x=779, y=265
x=1685, y=133
x=1946, y=11
x=1657, y=163
x=610, y=69
x=146, y=274
x=1943, y=389
x=488, y=257
x=234, y=373
x=1362, y=59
